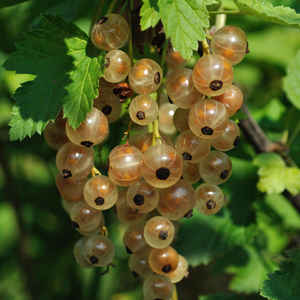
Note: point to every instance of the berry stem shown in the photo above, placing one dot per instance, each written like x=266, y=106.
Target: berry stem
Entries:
x=97, y=13
x=95, y=171
x=293, y=136
x=175, y=296
x=111, y=7
x=209, y=37
x=127, y=132
x=123, y=8
x=205, y=47
x=220, y=19
x=130, y=51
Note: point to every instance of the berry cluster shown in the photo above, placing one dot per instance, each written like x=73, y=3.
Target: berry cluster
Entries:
x=149, y=180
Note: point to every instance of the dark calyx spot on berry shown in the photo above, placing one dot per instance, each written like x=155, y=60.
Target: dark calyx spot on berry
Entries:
x=236, y=141
x=102, y=20
x=215, y=85
x=123, y=91
x=171, y=102
x=189, y=214
x=107, y=110
x=139, y=199
x=99, y=201
x=66, y=173
x=58, y=192
x=157, y=78
x=186, y=156
x=247, y=48
x=224, y=174
x=128, y=250
x=87, y=144
x=166, y=268
x=107, y=62
x=207, y=130
x=140, y=115
x=114, y=209
x=107, y=165
x=135, y=275
x=93, y=260
x=163, y=235
x=162, y=173
x=210, y=204
x=75, y=225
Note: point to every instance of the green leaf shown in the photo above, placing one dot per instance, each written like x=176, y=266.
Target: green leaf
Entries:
x=239, y=116
x=220, y=296
x=291, y=83
x=183, y=22
x=264, y=10
x=228, y=4
x=284, y=284
x=274, y=176
x=67, y=66
x=6, y=3
x=149, y=13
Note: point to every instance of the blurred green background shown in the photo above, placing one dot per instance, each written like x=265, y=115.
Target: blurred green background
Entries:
x=36, y=238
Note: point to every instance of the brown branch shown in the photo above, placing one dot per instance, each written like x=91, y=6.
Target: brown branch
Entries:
x=261, y=144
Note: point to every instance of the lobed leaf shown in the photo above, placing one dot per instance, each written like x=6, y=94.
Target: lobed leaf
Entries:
x=264, y=10
x=67, y=67
x=150, y=14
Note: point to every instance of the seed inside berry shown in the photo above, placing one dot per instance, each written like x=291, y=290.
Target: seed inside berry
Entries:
x=207, y=130
x=107, y=62
x=163, y=235
x=140, y=115
x=189, y=214
x=75, y=225
x=139, y=199
x=66, y=173
x=186, y=156
x=157, y=78
x=99, y=201
x=102, y=20
x=87, y=144
x=224, y=174
x=211, y=204
x=93, y=260
x=216, y=85
x=128, y=251
x=135, y=275
x=236, y=141
x=162, y=173
x=166, y=268
x=107, y=110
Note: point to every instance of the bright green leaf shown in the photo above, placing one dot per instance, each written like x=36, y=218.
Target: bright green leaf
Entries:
x=149, y=13
x=264, y=10
x=229, y=4
x=269, y=160
x=183, y=22
x=67, y=66
x=6, y=3
x=284, y=284
x=291, y=83
x=220, y=296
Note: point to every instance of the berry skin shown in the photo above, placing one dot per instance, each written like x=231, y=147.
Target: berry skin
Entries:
x=158, y=287
x=139, y=266
x=78, y=253
x=190, y=172
x=180, y=272
x=230, y=42
x=111, y=32
x=213, y=75
x=166, y=113
x=145, y=76
x=181, y=119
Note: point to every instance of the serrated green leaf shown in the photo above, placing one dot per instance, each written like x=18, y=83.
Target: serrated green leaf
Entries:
x=274, y=176
x=183, y=22
x=284, y=284
x=228, y=4
x=67, y=66
x=291, y=83
x=6, y=3
x=150, y=14
x=264, y=10
x=220, y=296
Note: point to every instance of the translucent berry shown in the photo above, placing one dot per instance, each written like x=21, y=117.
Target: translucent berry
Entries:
x=100, y=192
x=117, y=66
x=139, y=266
x=55, y=132
x=159, y=232
x=111, y=32
x=145, y=76
x=230, y=42
x=208, y=119
x=105, y=84
x=124, y=165
x=177, y=201
x=78, y=253
x=143, y=110
x=67, y=205
x=146, y=141
x=192, y=148
x=97, y=230
x=109, y=104
x=70, y=189
x=213, y=75
x=232, y=99
x=125, y=213
x=210, y=199
x=180, y=88
x=74, y=161
x=180, y=272
x=134, y=240
x=216, y=168
x=174, y=59
x=142, y=197
x=191, y=172
x=85, y=217
x=166, y=113
x=90, y=132
x=99, y=250
x=181, y=119
x=158, y=287
x=161, y=166
x=228, y=139
x=163, y=261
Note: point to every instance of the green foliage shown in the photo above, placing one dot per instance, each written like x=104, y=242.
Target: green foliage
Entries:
x=264, y=10
x=284, y=284
x=67, y=68
x=149, y=13
x=220, y=296
x=5, y=3
x=291, y=83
